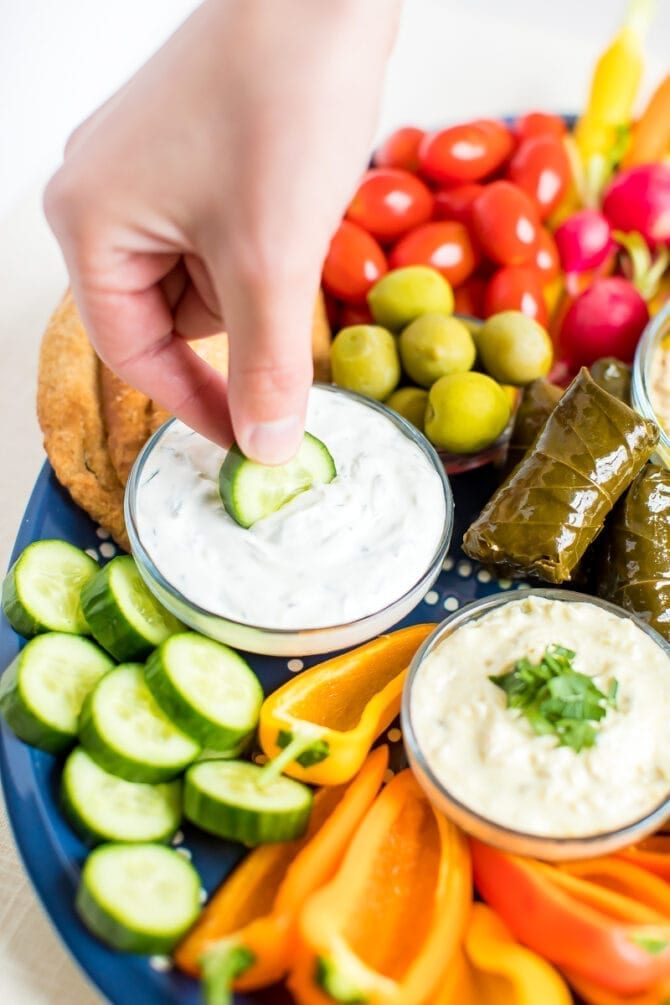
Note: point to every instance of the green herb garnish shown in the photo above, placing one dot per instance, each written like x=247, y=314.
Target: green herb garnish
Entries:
x=556, y=698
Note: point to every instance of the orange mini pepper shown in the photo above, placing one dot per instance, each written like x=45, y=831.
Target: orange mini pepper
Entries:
x=616, y=940
x=388, y=925
x=319, y=726
x=650, y=136
x=592, y=994
x=652, y=854
x=245, y=937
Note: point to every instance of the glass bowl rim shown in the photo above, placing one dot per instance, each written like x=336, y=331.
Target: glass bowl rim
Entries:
x=656, y=328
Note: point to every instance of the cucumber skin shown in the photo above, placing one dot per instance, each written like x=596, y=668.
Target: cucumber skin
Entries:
x=21, y=719
x=108, y=625
x=17, y=615
x=210, y=734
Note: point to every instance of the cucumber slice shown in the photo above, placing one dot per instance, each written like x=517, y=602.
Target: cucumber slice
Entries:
x=140, y=898
x=102, y=807
x=41, y=591
x=227, y=798
x=251, y=491
x=123, y=614
x=126, y=732
x=207, y=689
x=43, y=688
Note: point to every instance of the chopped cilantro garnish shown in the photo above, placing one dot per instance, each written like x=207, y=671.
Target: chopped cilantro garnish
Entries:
x=556, y=698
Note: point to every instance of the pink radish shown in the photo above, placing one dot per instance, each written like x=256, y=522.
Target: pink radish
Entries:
x=607, y=319
x=639, y=200
x=584, y=241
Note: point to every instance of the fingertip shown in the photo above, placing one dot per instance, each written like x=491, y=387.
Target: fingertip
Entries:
x=275, y=441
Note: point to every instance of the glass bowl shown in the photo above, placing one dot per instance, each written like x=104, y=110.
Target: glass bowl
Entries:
x=475, y=822
x=644, y=390
x=264, y=638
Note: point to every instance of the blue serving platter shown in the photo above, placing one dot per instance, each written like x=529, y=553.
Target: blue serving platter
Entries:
x=52, y=853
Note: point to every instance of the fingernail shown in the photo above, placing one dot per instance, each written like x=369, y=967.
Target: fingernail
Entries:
x=274, y=442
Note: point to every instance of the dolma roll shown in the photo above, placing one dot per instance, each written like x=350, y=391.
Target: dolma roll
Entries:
x=634, y=568
x=537, y=403
x=552, y=506
x=613, y=376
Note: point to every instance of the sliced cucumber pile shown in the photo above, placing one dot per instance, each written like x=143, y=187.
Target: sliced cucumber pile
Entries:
x=127, y=733
x=41, y=591
x=140, y=898
x=250, y=491
x=123, y=615
x=206, y=689
x=228, y=798
x=43, y=688
x=103, y=807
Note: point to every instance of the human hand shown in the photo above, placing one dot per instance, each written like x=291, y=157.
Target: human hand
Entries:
x=204, y=194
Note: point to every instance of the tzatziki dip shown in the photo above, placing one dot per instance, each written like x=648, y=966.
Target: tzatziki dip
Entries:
x=659, y=382
x=568, y=777
x=335, y=553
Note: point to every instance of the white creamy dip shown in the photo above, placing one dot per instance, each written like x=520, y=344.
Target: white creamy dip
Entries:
x=659, y=383
x=335, y=553
x=488, y=756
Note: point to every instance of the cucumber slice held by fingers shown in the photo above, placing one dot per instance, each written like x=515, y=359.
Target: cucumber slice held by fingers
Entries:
x=250, y=491
x=128, y=734
x=123, y=615
x=206, y=689
x=229, y=799
x=44, y=687
x=103, y=807
x=41, y=591
x=139, y=898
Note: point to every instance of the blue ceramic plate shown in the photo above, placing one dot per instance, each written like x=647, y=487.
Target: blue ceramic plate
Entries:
x=52, y=853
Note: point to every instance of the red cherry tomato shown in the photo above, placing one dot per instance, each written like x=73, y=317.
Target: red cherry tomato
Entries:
x=456, y=203
x=389, y=202
x=539, y=124
x=445, y=245
x=355, y=314
x=505, y=223
x=400, y=149
x=546, y=259
x=540, y=167
x=465, y=153
x=353, y=264
x=516, y=288
x=469, y=297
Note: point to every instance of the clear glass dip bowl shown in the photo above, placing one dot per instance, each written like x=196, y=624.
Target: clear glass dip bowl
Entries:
x=272, y=641
x=655, y=337
x=478, y=824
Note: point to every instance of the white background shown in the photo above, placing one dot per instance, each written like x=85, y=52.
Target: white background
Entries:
x=58, y=61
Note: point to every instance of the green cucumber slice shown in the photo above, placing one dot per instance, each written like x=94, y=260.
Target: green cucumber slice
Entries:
x=128, y=734
x=140, y=898
x=40, y=593
x=123, y=614
x=43, y=688
x=250, y=491
x=206, y=689
x=227, y=798
x=103, y=807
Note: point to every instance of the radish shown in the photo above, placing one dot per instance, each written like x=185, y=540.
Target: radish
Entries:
x=607, y=319
x=639, y=200
x=584, y=241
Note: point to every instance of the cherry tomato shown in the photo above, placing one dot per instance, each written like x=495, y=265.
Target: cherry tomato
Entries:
x=353, y=264
x=355, y=314
x=400, y=149
x=539, y=124
x=469, y=297
x=332, y=306
x=540, y=167
x=505, y=223
x=465, y=153
x=456, y=203
x=546, y=259
x=516, y=288
x=389, y=202
x=445, y=245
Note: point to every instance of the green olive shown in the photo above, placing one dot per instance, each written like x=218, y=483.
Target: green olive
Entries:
x=404, y=294
x=514, y=348
x=435, y=345
x=410, y=402
x=466, y=412
x=364, y=358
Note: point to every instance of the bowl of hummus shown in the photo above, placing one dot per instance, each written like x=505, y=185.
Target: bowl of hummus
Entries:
x=537, y=721
x=336, y=565
x=650, y=390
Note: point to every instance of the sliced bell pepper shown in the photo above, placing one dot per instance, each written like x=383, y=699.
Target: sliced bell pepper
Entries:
x=319, y=726
x=386, y=928
x=245, y=936
x=652, y=854
x=496, y=970
x=606, y=936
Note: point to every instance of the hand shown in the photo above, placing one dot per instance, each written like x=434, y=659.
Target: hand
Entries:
x=204, y=194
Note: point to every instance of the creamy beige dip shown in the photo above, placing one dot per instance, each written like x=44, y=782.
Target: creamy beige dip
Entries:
x=659, y=383
x=488, y=756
